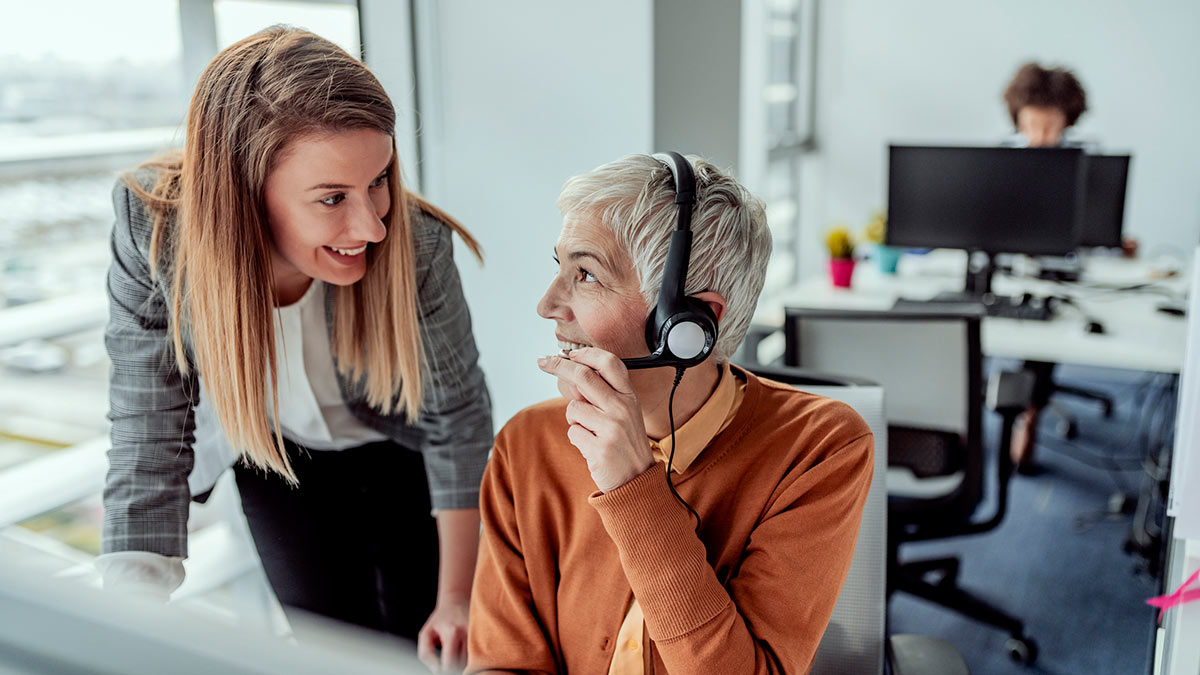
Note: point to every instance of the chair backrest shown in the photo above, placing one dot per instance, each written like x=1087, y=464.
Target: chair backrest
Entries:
x=854, y=640
x=920, y=360
x=930, y=365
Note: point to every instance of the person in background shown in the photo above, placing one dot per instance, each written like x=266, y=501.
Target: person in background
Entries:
x=278, y=261
x=1043, y=104
x=632, y=527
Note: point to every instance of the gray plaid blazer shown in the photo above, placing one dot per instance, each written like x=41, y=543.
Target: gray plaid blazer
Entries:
x=146, y=494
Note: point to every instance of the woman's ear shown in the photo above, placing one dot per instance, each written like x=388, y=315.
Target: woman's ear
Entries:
x=714, y=300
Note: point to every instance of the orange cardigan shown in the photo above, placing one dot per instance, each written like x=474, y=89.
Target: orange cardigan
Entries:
x=780, y=494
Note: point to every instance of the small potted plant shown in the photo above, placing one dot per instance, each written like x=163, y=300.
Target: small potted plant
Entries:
x=887, y=256
x=841, y=255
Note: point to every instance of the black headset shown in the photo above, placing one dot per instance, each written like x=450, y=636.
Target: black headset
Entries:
x=681, y=331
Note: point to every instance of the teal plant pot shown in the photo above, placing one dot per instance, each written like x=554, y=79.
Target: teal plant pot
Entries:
x=888, y=257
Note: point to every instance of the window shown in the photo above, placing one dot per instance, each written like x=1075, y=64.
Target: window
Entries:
x=787, y=101
x=73, y=111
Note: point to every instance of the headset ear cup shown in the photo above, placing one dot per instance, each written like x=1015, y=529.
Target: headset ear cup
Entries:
x=686, y=336
x=696, y=311
x=706, y=318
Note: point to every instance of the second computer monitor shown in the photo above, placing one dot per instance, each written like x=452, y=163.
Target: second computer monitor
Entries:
x=1104, y=207
x=999, y=200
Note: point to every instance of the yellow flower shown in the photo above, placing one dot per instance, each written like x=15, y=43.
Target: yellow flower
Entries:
x=876, y=227
x=838, y=241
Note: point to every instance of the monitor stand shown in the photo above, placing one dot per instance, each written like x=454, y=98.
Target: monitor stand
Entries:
x=977, y=292
x=981, y=267
x=1059, y=268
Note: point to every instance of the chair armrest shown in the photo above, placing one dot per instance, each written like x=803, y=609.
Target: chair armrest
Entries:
x=923, y=655
x=1010, y=391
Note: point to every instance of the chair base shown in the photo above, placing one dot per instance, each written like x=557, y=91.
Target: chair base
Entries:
x=911, y=578
x=922, y=655
x=1066, y=426
x=1105, y=401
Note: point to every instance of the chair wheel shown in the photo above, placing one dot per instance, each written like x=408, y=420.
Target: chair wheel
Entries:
x=1066, y=429
x=1022, y=650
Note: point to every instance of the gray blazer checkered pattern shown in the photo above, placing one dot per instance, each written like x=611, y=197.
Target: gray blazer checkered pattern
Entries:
x=146, y=494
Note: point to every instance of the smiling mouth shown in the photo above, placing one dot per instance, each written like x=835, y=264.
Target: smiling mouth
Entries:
x=567, y=346
x=348, y=252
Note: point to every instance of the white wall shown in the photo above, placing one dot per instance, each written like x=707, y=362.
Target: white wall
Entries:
x=514, y=103
x=697, y=64
x=935, y=71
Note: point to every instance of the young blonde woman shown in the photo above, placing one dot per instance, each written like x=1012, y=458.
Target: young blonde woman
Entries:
x=278, y=261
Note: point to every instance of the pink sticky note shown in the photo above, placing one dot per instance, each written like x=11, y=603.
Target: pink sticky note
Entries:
x=1179, y=597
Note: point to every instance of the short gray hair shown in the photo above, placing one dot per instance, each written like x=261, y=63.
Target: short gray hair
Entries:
x=731, y=243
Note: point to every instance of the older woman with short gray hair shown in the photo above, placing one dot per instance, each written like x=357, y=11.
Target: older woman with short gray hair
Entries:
x=697, y=520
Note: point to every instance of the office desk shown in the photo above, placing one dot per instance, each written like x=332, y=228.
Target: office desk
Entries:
x=1137, y=336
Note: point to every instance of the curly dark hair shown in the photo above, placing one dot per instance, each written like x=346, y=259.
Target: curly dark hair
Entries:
x=1046, y=87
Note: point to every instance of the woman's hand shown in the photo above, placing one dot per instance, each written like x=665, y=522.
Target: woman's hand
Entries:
x=604, y=414
x=446, y=632
x=442, y=642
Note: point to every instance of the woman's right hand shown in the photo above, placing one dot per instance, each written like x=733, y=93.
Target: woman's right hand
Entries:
x=141, y=574
x=442, y=643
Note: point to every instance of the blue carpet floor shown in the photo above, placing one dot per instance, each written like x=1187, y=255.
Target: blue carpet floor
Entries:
x=1057, y=560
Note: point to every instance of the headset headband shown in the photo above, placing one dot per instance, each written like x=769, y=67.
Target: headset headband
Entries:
x=680, y=331
x=675, y=273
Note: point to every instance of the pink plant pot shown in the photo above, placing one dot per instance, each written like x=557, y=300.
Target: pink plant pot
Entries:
x=840, y=271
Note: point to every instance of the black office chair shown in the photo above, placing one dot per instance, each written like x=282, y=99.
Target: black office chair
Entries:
x=1067, y=426
x=1046, y=386
x=930, y=366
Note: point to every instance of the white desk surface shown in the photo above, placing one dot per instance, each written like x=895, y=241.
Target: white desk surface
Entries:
x=1137, y=336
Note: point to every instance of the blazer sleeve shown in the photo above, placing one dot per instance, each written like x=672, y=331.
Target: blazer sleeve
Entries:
x=146, y=494
x=456, y=417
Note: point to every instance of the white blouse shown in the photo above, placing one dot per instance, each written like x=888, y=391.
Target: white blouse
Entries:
x=312, y=412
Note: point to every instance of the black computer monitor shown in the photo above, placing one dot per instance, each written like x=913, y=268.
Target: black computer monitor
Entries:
x=997, y=200
x=1104, y=204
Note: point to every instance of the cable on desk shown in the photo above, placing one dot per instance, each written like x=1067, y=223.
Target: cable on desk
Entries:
x=1070, y=302
x=1102, y=289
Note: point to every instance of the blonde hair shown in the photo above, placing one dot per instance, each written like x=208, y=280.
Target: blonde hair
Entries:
x=210, y=230
x=731, y=243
